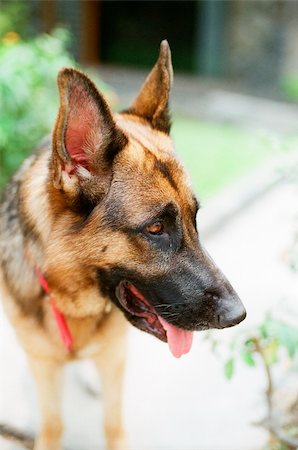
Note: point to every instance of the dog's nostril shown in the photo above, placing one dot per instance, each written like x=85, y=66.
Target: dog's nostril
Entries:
x=211, y=295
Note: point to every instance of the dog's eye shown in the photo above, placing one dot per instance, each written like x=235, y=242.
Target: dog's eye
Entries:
x=155, y=228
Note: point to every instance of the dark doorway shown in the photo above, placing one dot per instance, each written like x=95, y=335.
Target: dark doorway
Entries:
x=132, y=30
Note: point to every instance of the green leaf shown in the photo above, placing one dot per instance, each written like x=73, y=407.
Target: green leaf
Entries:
x=264, y=330
x=287, y=336
x=270, y=352
x=229, y=368
x=248, y=358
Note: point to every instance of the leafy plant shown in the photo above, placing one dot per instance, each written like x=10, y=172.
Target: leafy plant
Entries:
x=15, y=15
x=28, y=92
x=273, y=343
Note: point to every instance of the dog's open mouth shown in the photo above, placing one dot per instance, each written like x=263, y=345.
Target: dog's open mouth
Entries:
x=147, y=319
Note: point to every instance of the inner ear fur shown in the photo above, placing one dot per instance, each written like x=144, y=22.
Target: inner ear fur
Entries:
x=152, y=102
x=85, y=138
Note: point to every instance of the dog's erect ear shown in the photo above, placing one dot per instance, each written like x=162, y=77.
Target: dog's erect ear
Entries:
x=85, y=137
x=152, y=102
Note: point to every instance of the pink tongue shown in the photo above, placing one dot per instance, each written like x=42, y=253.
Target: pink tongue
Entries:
x=179, y=340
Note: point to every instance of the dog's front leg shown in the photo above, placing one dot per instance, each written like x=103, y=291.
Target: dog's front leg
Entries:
x=48, y=376
x=111, y=373
x=110, y=363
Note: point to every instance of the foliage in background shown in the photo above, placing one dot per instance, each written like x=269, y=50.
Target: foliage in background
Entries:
x=264, y=344
x=14, y=17
x=29, y=95
x=270, y=346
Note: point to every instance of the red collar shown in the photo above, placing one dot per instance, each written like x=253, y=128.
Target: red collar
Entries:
x=65, y=333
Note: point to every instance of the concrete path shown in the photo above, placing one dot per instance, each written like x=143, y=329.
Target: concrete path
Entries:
x=180, y=404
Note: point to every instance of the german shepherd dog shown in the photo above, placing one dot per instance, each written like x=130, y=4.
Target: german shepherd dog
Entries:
x=98, y=229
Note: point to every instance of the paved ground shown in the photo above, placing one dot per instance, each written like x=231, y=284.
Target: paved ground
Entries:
x=182, y=404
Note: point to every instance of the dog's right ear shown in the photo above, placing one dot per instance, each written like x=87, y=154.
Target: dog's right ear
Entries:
x=85, y=137
x=152, y=102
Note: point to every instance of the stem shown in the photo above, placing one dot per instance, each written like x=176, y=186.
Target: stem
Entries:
x=270, y=424
x=281, y=435
x=269, y=390
x=11, y=433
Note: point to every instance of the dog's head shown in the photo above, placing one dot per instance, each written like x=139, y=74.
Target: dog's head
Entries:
x=133, y=210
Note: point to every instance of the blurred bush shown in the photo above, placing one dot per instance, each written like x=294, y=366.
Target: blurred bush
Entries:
x=28, y=92
x=15, y=15
x=28, y=89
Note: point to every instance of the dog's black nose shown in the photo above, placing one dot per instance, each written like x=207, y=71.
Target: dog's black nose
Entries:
x=230, y=313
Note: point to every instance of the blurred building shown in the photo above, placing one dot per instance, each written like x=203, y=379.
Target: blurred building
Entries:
x=257, y=41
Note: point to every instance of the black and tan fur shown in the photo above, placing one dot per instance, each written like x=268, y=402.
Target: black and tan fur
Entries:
x=80, y=210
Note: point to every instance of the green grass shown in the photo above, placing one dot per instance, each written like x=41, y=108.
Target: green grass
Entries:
x=217, y=154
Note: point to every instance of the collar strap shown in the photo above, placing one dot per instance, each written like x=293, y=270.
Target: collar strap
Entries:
x=61, y=322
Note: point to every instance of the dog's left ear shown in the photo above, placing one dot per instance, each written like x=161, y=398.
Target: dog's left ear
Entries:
x=152, y=102
x=85, y=138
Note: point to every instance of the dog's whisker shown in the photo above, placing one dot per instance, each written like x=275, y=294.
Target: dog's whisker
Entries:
x=171, y=315
x=162, y=305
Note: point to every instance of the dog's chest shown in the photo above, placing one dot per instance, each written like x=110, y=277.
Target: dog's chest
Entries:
x=84, y=333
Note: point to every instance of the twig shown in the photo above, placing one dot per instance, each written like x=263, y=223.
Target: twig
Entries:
x=269, y=390
x=280, y=434
x=24, y=439
x=8, y=432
